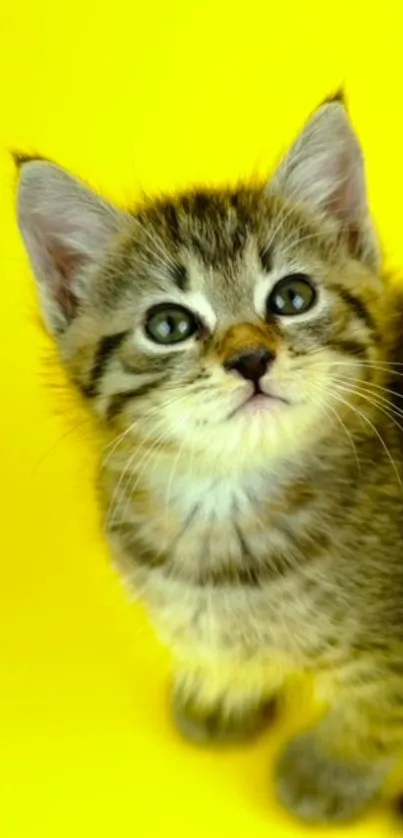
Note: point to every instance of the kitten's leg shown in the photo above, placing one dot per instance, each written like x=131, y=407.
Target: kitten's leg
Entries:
x=208, y=707
x=333, y=772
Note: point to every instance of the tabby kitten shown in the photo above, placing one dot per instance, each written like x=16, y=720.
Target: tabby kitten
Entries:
x=239, y=349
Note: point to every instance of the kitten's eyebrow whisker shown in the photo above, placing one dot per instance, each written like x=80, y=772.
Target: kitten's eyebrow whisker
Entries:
x=157, y=246
x=283, y=214
x=293, y=240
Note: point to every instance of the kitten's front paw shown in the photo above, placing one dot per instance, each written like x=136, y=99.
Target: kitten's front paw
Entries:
x=219, y=724
x=319, y=789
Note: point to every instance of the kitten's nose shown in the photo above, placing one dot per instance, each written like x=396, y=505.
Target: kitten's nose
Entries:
x=251, y=365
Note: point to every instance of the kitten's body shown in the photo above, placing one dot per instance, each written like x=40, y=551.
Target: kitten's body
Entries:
x=260, y=564
x=256, y=575
x=265, y=537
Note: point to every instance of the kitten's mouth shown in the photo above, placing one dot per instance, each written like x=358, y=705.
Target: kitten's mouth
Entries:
x=259, y=403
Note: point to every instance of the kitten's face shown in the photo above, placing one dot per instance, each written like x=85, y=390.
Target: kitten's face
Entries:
x=235, y=314
x=234, y=323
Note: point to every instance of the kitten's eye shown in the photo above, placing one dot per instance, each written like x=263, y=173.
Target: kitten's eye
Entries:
x=292, y=295
x=168, y=323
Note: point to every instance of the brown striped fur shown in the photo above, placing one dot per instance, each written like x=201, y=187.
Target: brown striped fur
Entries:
x=263, y=544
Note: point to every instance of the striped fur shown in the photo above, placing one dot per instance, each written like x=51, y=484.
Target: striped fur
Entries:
x=264, y=543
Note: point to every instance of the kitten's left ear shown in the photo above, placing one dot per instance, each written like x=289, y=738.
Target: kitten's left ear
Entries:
x=68, y=231
x=325, y=170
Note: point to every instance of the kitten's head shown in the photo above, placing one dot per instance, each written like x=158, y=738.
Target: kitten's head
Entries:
x=234, y=323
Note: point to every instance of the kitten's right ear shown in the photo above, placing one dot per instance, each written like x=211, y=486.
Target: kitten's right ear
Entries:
x=68, y=231
x=324, y=170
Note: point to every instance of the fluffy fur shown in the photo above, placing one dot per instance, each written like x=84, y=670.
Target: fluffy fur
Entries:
x=263, y=541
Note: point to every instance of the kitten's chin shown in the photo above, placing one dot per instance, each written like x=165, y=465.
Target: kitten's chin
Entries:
x=259, y=405
x=260, y=435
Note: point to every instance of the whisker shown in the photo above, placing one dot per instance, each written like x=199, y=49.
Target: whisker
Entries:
x=120, y=484
x=385, y=367
x=378, y=435
x=116, y=442
x=363, y=361
x=125, y=489
x=172, y=474
x=129, y=487
x=374, y=403
x=283, y=215
x=370, y=384
x=88, y=421
x=345, y=429
x=157, y=247
x=361, y=390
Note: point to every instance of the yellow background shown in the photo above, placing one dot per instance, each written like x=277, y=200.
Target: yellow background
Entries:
x=140, y=96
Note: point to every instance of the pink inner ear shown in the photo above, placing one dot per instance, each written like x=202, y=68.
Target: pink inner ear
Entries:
x=67, y=264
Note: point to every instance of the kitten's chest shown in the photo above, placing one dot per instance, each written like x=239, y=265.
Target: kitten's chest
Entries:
x=208, y=529
x=235, y=566
x=293, y=618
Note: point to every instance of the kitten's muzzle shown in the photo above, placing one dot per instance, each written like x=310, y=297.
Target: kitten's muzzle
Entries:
x=251, y=365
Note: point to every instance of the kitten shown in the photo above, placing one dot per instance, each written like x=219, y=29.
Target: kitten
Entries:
x=239, y=348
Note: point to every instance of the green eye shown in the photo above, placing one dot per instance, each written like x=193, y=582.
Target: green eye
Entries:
x=293, y=295
x=168, y=323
